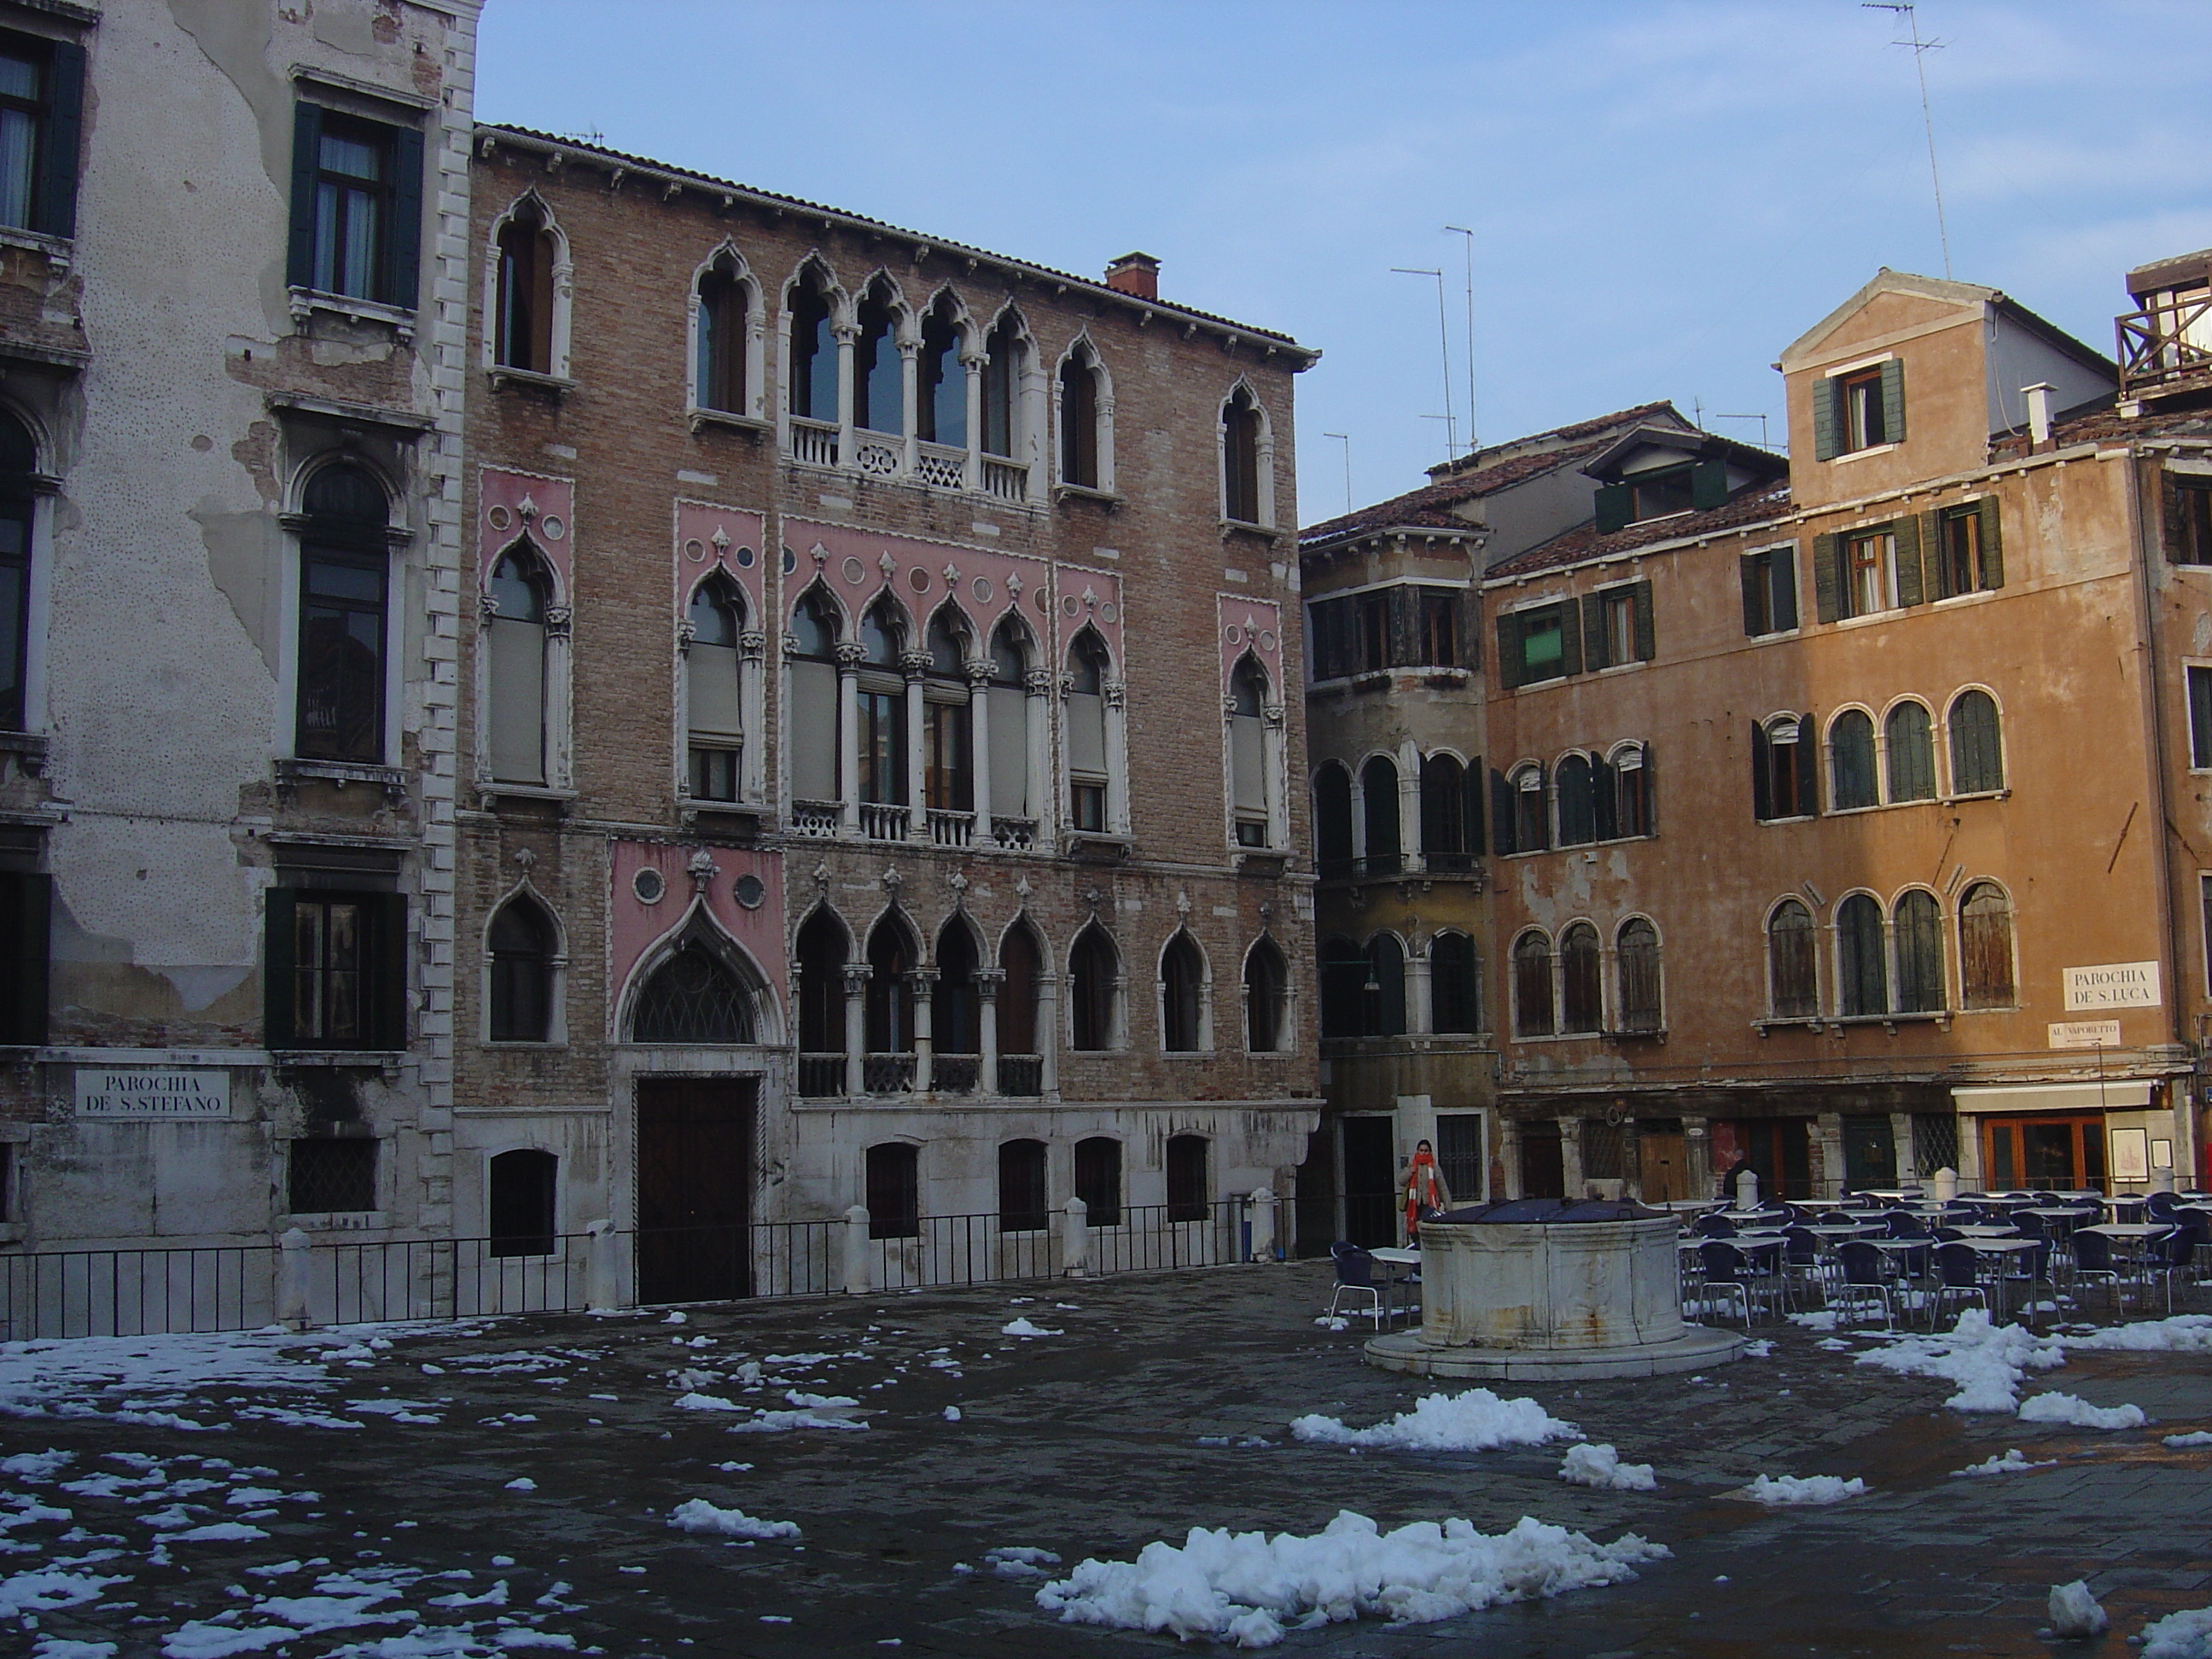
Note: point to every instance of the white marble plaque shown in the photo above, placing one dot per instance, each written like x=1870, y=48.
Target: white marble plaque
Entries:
x=153, y=1092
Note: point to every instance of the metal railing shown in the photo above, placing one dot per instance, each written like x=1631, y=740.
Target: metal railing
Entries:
x=1148, y=1237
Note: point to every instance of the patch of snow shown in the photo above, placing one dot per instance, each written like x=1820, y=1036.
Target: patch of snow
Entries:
x=1758, y=1350
x=1477, y=1420
x=2182, y=1334
x=1020, y=1561
x=219, y=1532
x=2186, y=1635
x=1333, y=1322
x=2074, y=1612
x=203, y=1638
x=40, y=1591
x=36, y=1466
x=1023, y=1327
x=952, y=1415
x=2011, y=1463
x=2199, y=1437
x=784, y=1422
x=1780, y=1489
x=1600, y=1466
x=1243, y=1588
x=1986, y=1360
x=2073, y=1410
x=522, y=1483
x=1823, y=1319
x=699, y=1515
x=400, y=1410
x=60, y=1647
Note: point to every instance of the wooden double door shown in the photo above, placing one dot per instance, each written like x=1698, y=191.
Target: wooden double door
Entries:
x=2043, y=1151
x=694, y=1188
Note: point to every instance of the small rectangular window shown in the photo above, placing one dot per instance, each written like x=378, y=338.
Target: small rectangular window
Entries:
x=332, y=1177
x=1188, y=1187
x=336, y=969
x=1371, y=640
x=1870, y=565
x=1864, y=425
x=2200, y=718
x=2189, y=519
x=1438, y=622
x=1543, y=647
x=1658, y=494
x=1620, y=626
x=357, y=207
x=41, y=100
x=1087, y=805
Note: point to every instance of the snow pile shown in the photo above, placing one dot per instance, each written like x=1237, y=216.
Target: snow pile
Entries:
x=1779, y=1489
x=2079, y=1413
x=38, y=1591
x=2198, y=1438
x=2182, y=1334
x=1020, y=1561
x=699, y=1515
x=43, y=1378
x=2179, y=1635
x=2011, y=1463
x=1477, y=1420
x=1987, y=1361
x=1600, y=1466
x=784, y=1422
x=2074, y=1612
x=1022, y=1326
x=1244, y=1588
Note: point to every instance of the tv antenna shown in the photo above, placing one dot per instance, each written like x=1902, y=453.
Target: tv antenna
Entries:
x=1920, y=50
x=1760, y=418
x=1345, y=438
x=1473, y=430
x=1444, y=346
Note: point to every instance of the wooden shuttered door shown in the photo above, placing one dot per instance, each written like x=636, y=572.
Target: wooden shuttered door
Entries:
x=1501, y=814
x=1762, y=792
x=1751, y=572
x=1570, y=640
x=1469, y=613
x=402, y=249
x=1708, y=485
x=1828, y=578
x=1912, y=583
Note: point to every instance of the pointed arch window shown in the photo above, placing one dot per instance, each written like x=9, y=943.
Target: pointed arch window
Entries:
x=817, y=706
x=18, y=463
x=1635, y=959
x=813, y=352
x=956, y=1030
x=1912, y=752
x=1862, y=983
x=1183, y=997
x=1241, y=481
x=1582, y=994
x=1094, y=970
x=1378, y=789
x=713, y=707
x=1455, y=986
x=343, y=601
x=821, y=955
x=942, y=407
x=1918, y=932
x=881, y=705
x=693, y=998
x=1977, y=753
x=1088, y=667
x=720, y=370
x=1267, y=999
x=1985, y=964
x=1247, y=753
x=1792, y=972
x=521, y=944
x=1007, y=696
x=1002, y=386
x=1081, y=411
x=523, y=333
x=889, y=1008
x=879, y=372
x=948, y=752
x=1021, y=1057
x=1332, y=820
x=1851, y=761
x=518, y=590
x=1533, y=1014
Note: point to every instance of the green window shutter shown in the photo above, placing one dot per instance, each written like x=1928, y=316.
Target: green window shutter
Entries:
x=2171, y=519
x=1646, y=642
x=403, y=249
x=1826, y=394
x=1912, y=587
x=1605, y=805
x=1938, y=559
x=1508, y=649
x=1751, y=571
x=27, y=906
x=1762, y=794
x=1472, y=805
x=1570, y=640
x=1781, y=588
x=1594, y=641
x=1992, y=543
x=307, y=148
x=278, y=989
x=1809, y=765
x=1708, y=484
x=1892, y=401
x=1650, y=793
x=384, y=992
x=1827, y=577
x=1501, y=813
x=58, y=168
x=1466, y=615
x=1614, y=508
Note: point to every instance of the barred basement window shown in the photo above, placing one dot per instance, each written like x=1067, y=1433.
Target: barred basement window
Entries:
x=332, y=1177
x=524, y=1185
x=1189, y=1188
x=894, y=1178
x=1099, y=1180
x=1024, y=1205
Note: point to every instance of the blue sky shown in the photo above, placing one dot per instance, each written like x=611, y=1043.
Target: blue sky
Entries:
x=1664, y=194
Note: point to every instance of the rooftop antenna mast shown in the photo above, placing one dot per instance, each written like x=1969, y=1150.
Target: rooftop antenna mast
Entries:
x=1345, y=438
x=1443, y=345
x=1920, y=50
x=1473, y=430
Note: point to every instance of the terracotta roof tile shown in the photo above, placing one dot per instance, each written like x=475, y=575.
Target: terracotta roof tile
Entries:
x=1585, y=543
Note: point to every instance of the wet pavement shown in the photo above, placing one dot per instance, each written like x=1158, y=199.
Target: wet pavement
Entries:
x=505, y=1486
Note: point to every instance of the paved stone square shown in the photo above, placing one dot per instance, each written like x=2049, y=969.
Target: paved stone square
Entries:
x=1161, y=1403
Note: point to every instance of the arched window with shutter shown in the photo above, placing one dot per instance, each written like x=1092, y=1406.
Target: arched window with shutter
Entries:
x=1792, y=968
x=1635, y=960
x=1582, y=988
x=1917, y=930
x=1862, y=979
x=1534, y=1014
x=1379, y=787
x=1851, y=780
x=1985, y=947
x=1977, y=749
x=1576, y=789
x=1911, y=747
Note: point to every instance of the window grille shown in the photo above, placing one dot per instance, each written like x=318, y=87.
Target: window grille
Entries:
x=332, y=1177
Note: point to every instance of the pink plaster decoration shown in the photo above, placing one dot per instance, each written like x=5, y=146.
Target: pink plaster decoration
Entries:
x=709, y=539
x=1088, y=598
x=1253, y=625
x=918, y=573
x=638, y=926
x=513, y=505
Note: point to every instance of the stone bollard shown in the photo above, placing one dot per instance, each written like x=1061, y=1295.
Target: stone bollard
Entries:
x=1260, y=1224
x=1075, y=1240
x=1746, y=1190
x=602, y=1273
x=1945, y=1184
x=292, y=1267
x=856, y=1250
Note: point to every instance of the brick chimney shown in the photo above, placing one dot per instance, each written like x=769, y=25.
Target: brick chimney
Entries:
x=1135, y=273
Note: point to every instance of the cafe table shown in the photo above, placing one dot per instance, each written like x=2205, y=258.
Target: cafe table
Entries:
x=1396, y=1258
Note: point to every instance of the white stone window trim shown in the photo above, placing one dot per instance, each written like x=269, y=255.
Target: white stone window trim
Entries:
x=398, y=648
x=700, y=413
x=556, y=690
x=1082, y=349
x=557, y=376
x=752, y=675
x=1265, y=467
x=556, y=973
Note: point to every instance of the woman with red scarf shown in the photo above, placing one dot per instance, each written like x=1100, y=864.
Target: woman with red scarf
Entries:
x=1422, y=1185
